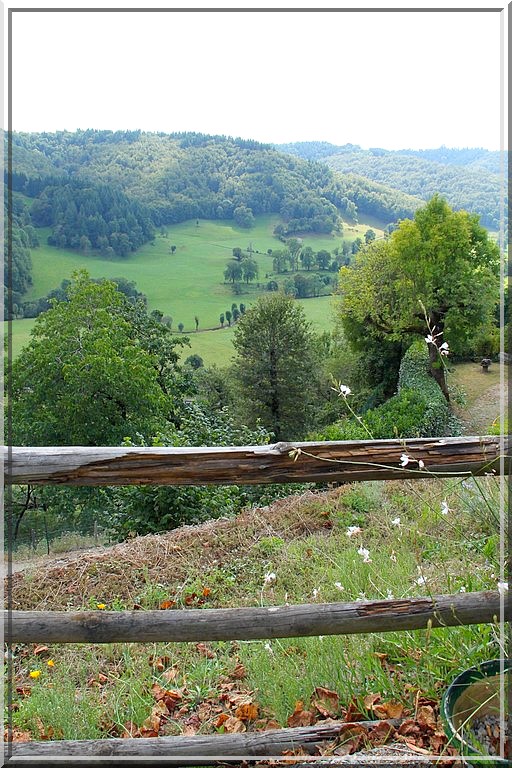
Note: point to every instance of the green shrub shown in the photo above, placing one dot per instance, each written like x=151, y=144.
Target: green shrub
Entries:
x=418, y=410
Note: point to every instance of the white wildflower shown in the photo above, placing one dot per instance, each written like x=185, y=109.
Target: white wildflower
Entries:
x=268, y=648
x=392, y=556
x=390, y=595
x=352, y=530
x=269, y=578
x=339, y=586
x=316, y=592
x=365, y=554
x=462, y=589
x=444, y=507
x=444, y=348
x=396, y=521
x=421, y=580
x=341, y=389
x=502, y=587
x=404, y=460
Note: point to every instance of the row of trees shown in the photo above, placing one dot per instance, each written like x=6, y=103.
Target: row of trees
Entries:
x=232, y=314
x=247, y=269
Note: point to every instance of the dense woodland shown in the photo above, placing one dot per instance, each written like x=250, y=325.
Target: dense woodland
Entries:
x=468, y=178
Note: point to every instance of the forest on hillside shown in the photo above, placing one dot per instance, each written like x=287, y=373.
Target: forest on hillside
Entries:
x=106, y=192
x=469, y=179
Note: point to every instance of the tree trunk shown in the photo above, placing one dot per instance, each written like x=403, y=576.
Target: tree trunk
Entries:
x=437, y=369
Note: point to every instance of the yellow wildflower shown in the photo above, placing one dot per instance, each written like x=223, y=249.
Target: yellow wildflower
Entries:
x=101, y=606
x=35, y=673
x=50, y=663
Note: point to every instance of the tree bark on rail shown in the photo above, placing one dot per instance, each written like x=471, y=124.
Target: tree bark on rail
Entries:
x=200, y=625
x=335, y=461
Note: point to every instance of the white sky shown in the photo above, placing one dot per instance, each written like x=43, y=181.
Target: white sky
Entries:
x=377, y=79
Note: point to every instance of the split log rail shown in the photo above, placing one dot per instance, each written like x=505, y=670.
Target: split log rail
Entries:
x=326, y=462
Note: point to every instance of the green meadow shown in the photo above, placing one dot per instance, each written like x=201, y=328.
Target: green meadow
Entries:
x=188, y=283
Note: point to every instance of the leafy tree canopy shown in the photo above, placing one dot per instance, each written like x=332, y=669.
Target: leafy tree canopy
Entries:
x=437, y=274
x=97, y=369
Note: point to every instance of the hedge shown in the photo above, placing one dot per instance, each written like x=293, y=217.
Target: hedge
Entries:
x=419, y=409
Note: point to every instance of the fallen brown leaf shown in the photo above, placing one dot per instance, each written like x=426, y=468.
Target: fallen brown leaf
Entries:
x=234, y=725
x=24, y=690
x=170, y=674
x=426, y=717
x=407, y=727
x=247, y=712
x=40, y=649
x=415, y=748
x=381, y=733
x=350, y=738
x=352, y=714
x=325, y=701
x=167, y=604
x=131, y=731
x=16, y=735
x=205, y=651
x=239, y=672
x=300, y=717
x=388, y=709
x=371, y=699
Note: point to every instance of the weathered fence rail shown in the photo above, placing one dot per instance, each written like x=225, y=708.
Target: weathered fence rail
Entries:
x=305, y=620
x=255, y=745
x=311, y=462
x=278, y=463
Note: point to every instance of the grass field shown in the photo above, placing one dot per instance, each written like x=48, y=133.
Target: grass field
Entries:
x=189, y=282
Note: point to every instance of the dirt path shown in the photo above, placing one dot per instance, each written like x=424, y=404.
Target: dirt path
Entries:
x=482, y=412
x=62, y=558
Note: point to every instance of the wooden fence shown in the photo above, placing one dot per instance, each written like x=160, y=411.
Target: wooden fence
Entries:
x=278, y=463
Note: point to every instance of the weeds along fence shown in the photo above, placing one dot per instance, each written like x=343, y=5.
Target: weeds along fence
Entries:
x=37, y=536
x=338, y=462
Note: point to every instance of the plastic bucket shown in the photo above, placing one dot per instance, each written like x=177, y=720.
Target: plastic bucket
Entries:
x=475, y=693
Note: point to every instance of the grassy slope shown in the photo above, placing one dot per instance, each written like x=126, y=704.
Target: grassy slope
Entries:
x=303, y=541
x=189, y=282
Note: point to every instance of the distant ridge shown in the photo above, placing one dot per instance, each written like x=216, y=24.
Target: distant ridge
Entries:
x=468, y=178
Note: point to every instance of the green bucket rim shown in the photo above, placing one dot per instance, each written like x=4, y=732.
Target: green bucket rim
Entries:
x=472, y=675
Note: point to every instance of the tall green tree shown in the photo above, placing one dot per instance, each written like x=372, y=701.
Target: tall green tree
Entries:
x=249, y=269
x=274, y=366
x=233, y=271
x=436, y=276
x=88, y=375
x=307, y=257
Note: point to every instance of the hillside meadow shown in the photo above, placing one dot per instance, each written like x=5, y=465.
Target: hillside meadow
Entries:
x=190, y=281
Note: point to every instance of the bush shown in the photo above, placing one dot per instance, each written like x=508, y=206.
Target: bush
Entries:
x=151, y=509
x=418, y=410
x=486, y=343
